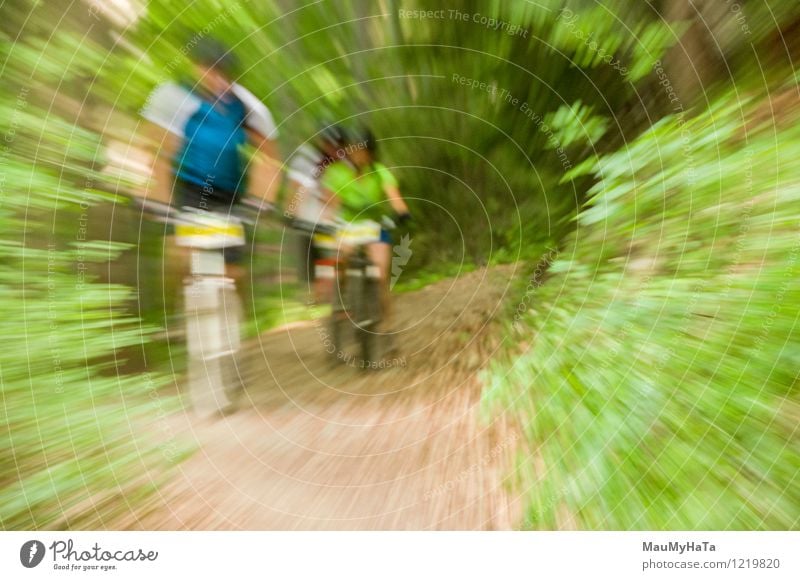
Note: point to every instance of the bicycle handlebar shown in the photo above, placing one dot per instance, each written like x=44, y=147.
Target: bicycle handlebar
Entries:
x=170, y=214
x=244, y=211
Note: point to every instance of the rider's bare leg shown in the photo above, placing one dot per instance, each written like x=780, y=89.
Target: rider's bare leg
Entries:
x=342, y=258
x=380, y=254
x=236, y=272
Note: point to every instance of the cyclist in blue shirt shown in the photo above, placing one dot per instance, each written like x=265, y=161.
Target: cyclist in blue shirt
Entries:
x=208, y=125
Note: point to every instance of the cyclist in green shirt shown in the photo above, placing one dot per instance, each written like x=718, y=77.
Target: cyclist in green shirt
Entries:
x=363, y=188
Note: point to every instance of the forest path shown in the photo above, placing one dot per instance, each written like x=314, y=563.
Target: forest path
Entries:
x=321, y=445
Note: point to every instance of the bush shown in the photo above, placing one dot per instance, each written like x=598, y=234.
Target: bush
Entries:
x=661, y=390
x=71, y=449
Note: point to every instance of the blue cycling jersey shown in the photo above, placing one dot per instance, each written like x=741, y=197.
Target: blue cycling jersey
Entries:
x=209, y=166
x=211, y=156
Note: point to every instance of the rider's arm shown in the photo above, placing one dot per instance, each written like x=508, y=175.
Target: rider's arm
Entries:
x=397, y=201
x=264, y=175
x=392, y=191
x=332, y=201
x=163, y=177
x=167, y=109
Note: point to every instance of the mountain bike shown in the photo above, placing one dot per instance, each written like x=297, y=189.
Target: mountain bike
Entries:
x=213, y=312
x=356, y=311
x=318, y=257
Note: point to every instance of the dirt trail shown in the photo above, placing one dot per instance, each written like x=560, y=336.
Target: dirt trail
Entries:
x=325, y=446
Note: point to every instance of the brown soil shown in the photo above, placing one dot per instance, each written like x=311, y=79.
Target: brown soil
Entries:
x=320, y=445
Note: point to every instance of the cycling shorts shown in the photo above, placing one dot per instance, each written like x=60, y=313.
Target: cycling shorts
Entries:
x=192, y=195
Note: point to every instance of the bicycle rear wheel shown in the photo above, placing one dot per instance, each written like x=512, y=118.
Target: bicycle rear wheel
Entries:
x=370, y=317
x=343, y=347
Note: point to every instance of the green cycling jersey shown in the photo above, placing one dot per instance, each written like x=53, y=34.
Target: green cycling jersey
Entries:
x=361, y=195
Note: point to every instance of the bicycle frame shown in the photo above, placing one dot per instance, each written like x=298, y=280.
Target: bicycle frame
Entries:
x=212, y=309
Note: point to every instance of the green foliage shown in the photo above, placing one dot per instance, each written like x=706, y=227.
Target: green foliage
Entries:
x=71, y=443
x=661, y=390
x=72, y=425
x=661, y=387
x=480, y=166
x=575, y=124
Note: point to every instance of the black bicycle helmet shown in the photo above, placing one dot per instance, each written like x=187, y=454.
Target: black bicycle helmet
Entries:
x=213, y=54
x=333, y=135
x=364, y=138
